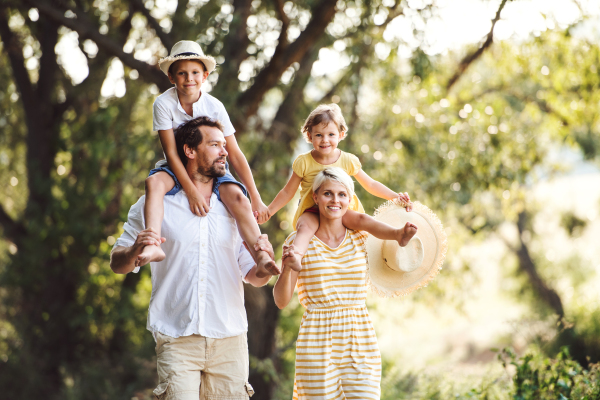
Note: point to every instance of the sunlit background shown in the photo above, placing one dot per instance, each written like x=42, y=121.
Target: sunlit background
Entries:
x=500, y=138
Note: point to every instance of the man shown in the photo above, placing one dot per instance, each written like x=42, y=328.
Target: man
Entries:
x=196, y=312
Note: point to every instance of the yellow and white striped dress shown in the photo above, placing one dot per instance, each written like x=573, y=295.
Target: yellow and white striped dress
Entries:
x=337, y=356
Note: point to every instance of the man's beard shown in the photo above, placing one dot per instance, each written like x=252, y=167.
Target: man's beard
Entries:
x=214, y=170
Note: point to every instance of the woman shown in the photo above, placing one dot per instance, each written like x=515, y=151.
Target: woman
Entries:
x=337, y=356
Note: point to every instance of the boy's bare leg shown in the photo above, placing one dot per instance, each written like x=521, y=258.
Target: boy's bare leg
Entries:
x=157, y=186
x=359, y=221
x=240, y=209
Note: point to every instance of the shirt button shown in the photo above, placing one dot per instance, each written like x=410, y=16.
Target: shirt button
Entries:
x=200, y=295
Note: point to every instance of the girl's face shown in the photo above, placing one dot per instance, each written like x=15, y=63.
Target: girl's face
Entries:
x=325, y=138
x=333, y=199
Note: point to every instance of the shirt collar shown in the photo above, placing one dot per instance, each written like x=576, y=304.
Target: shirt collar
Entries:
x=196, y=104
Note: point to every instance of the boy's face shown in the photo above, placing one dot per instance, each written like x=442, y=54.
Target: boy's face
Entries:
x=188, y=76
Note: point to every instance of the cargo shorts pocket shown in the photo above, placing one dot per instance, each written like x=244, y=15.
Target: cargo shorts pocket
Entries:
x=249, y=389
x=161, y=390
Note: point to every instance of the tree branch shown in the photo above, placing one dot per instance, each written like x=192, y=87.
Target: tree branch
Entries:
x=164, y=37
x=86, y=30
x=322, y=15
x=234, y=52
x=285, y=23
x=469, y=59
x=526, y=264
x=12, y=229
x=14, y=49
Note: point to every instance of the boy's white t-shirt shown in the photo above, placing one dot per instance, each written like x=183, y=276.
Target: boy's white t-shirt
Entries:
x=168, y=113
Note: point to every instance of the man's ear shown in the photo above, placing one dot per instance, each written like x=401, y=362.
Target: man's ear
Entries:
x=205, y=76
x=189, y=152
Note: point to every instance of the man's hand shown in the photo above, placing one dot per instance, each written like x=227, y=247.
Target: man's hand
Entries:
x=147, y=237
x=147, y=247
x=197, y=203
x=263, y=244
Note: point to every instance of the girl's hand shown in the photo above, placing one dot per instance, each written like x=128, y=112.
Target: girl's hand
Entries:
x=198, y=204
x=404, y=198
x=260, y=211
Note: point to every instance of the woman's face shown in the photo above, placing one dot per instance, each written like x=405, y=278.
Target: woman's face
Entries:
x=332, y=199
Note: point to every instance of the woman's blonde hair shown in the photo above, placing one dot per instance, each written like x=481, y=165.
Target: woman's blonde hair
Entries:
x=334, y=174
x=324, y=114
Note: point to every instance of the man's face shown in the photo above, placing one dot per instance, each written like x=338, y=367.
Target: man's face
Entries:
x=211, y=153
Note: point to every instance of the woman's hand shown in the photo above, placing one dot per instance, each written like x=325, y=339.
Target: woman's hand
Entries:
x=404, y=198
x=291, y=259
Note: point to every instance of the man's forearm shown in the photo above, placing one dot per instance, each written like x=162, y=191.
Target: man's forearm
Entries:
x=122, y=260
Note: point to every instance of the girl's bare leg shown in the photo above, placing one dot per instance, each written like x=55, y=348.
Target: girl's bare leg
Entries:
x=306, y=227
x=359, y=221
x=240, y=209
x=157, y=186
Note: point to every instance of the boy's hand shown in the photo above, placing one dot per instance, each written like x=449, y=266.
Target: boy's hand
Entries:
x=198, y=203
x=260, y=211
x=405, y=198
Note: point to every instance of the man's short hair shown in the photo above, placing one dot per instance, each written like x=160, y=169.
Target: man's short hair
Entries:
x=190, y=134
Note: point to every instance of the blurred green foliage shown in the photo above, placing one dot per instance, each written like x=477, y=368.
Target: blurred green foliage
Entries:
x=71, y=327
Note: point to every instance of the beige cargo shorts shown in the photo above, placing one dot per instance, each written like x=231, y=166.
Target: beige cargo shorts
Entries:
x=196, y=367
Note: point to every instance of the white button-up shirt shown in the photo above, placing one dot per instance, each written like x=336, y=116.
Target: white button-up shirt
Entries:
x=198, y=287
x=169, y=114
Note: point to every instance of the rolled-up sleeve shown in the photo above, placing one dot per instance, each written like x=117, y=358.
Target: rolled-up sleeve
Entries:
x=245, y=261
x=133, y=226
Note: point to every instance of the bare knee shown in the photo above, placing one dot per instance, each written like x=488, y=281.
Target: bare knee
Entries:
x=232, y=196
x=355, y=220
x=161, y=182
x=308, y=221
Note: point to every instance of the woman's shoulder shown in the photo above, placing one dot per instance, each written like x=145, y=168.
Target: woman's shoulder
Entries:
x=359, y=237
x=290, y=239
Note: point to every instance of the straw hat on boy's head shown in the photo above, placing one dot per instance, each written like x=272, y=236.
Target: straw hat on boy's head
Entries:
x=186, y=50
x=398, y=271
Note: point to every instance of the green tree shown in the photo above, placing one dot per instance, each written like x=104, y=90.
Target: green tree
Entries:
x=78, y=159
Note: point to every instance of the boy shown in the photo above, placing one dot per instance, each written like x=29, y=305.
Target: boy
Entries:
x=188, y=68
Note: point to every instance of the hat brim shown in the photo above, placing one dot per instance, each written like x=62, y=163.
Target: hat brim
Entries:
x=208, y=61
x=386, y=282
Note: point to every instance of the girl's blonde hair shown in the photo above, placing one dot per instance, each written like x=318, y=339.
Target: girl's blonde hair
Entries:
x=324, y=114
x=334, y=174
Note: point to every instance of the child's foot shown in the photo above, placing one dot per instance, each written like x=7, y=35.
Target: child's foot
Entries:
x=406, y=233
x=266, y=264
x=151, y=253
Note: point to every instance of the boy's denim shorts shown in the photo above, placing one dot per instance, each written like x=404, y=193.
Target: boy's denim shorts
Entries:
x=227, y=178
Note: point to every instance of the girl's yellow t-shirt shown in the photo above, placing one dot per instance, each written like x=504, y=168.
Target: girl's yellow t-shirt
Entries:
x=307, y=168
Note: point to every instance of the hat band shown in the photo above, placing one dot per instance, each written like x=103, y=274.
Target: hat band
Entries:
x=187, y=54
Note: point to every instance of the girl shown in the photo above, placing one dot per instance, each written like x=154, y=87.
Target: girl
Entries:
x=324, y=128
